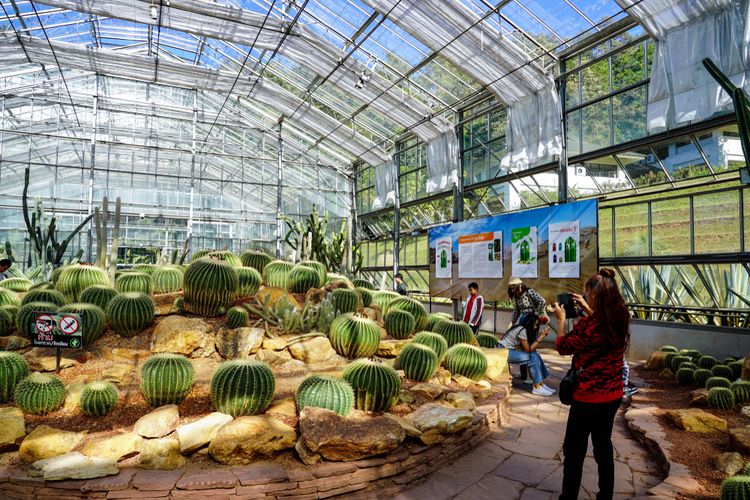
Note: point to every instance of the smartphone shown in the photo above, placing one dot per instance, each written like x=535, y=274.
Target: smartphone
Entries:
x=566, y=302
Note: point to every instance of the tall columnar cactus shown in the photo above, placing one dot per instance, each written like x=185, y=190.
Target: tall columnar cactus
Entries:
x=44, y=295
x=363, y=283
x=455, y=332
x=722, y=371
x=399, y=324
x=210, y=287
x=414, y=307
x=707, y=362
x=130, y=313
x=487, y=340
x=249, y=281
x=229, y=257
x=256, y=260
x=376, y=385
x=741, y=390
x=75, y=279
x=135, y=282
x=365, y=296
x=99, y=295
x=382, y=298
x=434, y=341
x=320, y=268
x=668, y=348
x=27, y=314
x=736, y=367
x=39, y=394
x=354, y=337
x=92, y=320
x=9, y=298
x=98, y=398
x=242, y=387
x=718, y=382
x=701, y=375
x=685, y=376
x=418, y=361
x=145, y=268
x=320, y=391
x=237, y=317
x=166, y=379
x=466, y=360
x=16, y=284
x=677, y=361
x=7, y=321
x=345, y=300
x=736, y=488
x=167, y=279
x=721, y=398
x=303, y=278
x=276, y=274
x=13, y=369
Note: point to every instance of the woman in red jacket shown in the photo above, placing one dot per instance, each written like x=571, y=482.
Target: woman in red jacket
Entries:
x=597, y=342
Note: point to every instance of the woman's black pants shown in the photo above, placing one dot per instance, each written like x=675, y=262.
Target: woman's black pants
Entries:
x=584, y=419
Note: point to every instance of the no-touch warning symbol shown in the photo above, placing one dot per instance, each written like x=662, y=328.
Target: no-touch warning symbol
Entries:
x=69, y=325
x=45, y=323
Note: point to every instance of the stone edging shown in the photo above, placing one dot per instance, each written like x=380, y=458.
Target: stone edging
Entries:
x=374, y=477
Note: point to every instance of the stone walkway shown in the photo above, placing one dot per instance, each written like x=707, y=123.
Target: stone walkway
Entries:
x=524, y=459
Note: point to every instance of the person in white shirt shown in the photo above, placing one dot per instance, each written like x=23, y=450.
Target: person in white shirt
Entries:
x=473, y=308
x=4, y=266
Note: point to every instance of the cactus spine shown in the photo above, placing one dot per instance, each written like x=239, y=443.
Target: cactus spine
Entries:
x=99, y=295
x=383, y=298
x=721, y=398
x=129, y=313
x=414, y=307
x=376, y=386
x=303, y=278
x=242, y=387
x=40, y=394
x=13, y=369
x=92, y=320
x=42, y=295
x=677, y=361
x=466, y=360
x=707, y=362
x=718, y=382
x=363, y=283
x=418, y=361
x=736, y=488
x=16, y=284
x=237, y=317
x=167, y=279
x=345, y=300
x=455, y=332
x=256, y=260
x=249, y=281
x=210, y=286
x=276, y=274
x=741, y=390
x=134, y=282
x=320, y=391
x=9, y=298
x=75, y=279
x=487, y=340
x=722, y=371
x=701, y=375
x=399, y=324
x=365, y=295
x=320, y=268
x=166, y=379
x=434, y=341
x=354, y=337
x=685, y=376
x=98, y=398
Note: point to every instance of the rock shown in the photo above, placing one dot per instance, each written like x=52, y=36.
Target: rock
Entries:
x=304, y=453
x=189, y=336
x=745, y=411
x=745, y=374
x=284, y=407
x=46, y=442
x=463, y=400
x=14, y=343
x=73, y=465
x=313, y=350
x=124, y=355
x=666, y=373
x=406, y=397
x=699, y=397
x=201, y=432
x=73, y=392
x=729, y=463
x=373, y=314
x=655, y=361
x=696, y=420
x=427, y=390
x=435, y=420
x=497, y=364
x=276, y=343
x=239, y=343
x=391, y=348
x=344, y=439
x=291, y=368
x=740, y=439
x=276, y=294
x=272, y=357
x=443, y=376
x=463, y=381
x=118, y=374
x=157, y=423
x=409, y=429
x=114, y=447
x=12, y=428
x=43, y=360
x=245, y=439
x=483, y=389
x=162, y=454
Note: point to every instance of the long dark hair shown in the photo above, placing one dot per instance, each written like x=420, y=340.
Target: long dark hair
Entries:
x=609, y=308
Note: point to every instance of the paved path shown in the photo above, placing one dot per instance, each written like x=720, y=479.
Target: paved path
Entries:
x=524, y=459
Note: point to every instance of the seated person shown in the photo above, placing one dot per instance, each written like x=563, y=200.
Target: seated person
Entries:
x=519, y=351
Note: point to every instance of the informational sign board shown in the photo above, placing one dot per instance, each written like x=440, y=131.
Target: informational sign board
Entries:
x=60, y=330
x=552, y=249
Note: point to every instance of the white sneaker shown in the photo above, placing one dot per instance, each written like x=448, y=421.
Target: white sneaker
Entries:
x=549, y=388
x=542, y=391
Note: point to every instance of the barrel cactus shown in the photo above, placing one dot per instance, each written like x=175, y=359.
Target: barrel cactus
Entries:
x=677, y=361
x=455, y=332
x=199, y=255
x=249, y=281
x=135, y=282
x=339, y=281
x=242, y=387
x=365, y=296
x=345, y=300
x=210, y=286
x=399, y=324
x=166, y=379
x=144, y=268
x=27, y=314
x=256, y=260
x=13, y=369
x=16, y=284
x=130, y=313
x=689, y=365
x=98, y=398
x=303, y=278
x=736, y=488
x=434, y=341
x=685, y=376
x=92, y=320
x=362, y=283
x=9, y=298
x=487, y=340
x=466, y=360
x=412, y=306
x=276, y=274
x=722, y=371
x=376, y=385
x=354, y=337
x=320, y=391
x=668, y=359
x=7, y=321
x=237, y=317
x=229, y=257
x=383, y=298
x=75, y=279
x=418, y=361
x=668, y=348
x=741, y=390
x=721, y=398
x=736, y=367
x=707, y=362
x=718, y=382
x=701, y=375
x=168, y=279
x=39, y=394
x=99, y=295
x=435, y=318
x=320, y=268
x=44, y=295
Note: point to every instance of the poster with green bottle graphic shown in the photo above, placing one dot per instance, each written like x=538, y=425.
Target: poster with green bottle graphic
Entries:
x=523, y=251
x=564, y=252
x=444, y=258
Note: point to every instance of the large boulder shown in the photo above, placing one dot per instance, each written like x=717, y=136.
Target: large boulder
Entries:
x=73, y=392
x=697, y=420
x=162, y=454
x=272, y=356
x=435, y=420
x=655, y=361
x=312, y=350
x=73, y=465
x=124, y=354
x=275, y=295
x=245, y=439
x=120, y=374
x=276, y=343
x=427, y=390
x=157, y=423
x=344, y=439
x=463, y=400
x=47, y=442
x=391, y=348
x=189, y=336
x=730, y=463
x=239, y=343
x=699, y=397
x=497, y=364
x=114, y=447
x=14, y=343
x=740, y=439
x=12, y=428
x=198, y=434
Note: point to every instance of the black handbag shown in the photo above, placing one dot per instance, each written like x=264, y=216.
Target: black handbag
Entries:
x=568, y=385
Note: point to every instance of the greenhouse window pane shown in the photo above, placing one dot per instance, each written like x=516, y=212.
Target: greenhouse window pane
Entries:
x=572, y=90
x=717, y=222
x=670, y=227
x=605, y=232
x=627, y=67
x=631, y=229
x=595, y=80
x=573, y=132
x=746, y=213
x=596, y=126
x=630, y=115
